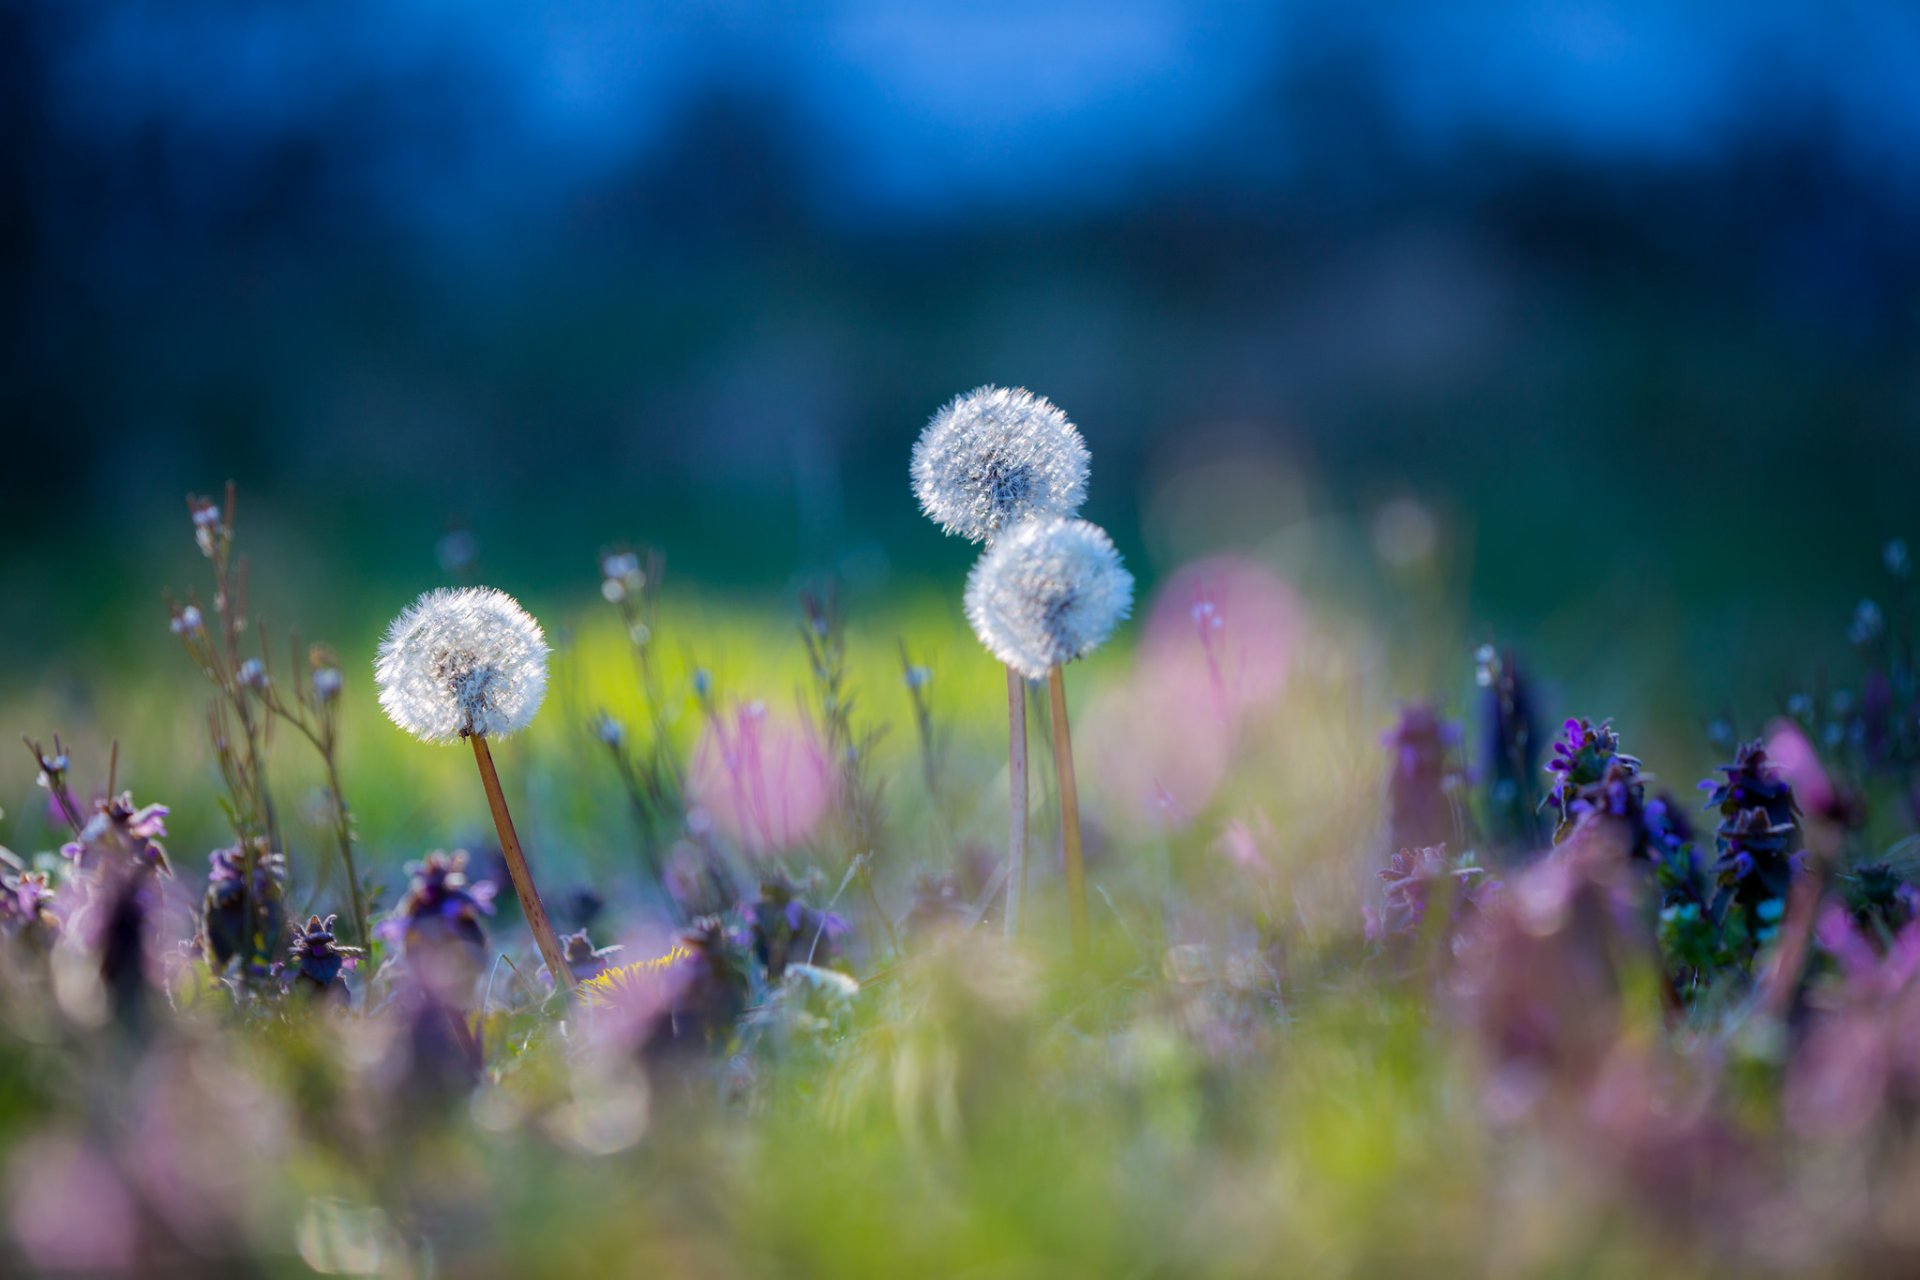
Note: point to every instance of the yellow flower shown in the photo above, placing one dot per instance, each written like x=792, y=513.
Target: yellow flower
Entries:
x=630, y=979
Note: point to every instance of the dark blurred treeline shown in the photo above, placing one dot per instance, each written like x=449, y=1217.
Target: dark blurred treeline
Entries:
x=1689, y=375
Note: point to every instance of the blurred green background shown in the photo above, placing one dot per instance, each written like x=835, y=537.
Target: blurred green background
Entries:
x=1587, y=327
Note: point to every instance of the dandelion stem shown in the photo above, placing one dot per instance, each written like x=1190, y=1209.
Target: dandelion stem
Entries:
x=530, y=904
x=1069, y=812
x=1016, y=799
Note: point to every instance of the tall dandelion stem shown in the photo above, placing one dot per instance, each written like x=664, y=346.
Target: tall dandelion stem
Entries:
x=472, y=664
x=1016, y=799
x=1069, y=813
x=530, y=904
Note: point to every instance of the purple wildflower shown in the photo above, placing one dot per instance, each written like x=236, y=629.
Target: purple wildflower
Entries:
x=26, y=905
x=585, y=959
x=1546, y=970
x=1509, y=752
x=784, y=929
x=319, y=959
x=1418, y=878
x=1422, y=778
x=710, y=991
x=1882, y=901
x=439, y=921
x=1757, y=862
x=1580, y=759
x=226, y=931
x=1858, y=1067
x=1753, y=780
x=123, y=835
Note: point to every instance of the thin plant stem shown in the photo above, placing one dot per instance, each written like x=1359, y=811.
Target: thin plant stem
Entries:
x=1016, y=799
x=1069, y=813
x=343, y=836
x=530, y=904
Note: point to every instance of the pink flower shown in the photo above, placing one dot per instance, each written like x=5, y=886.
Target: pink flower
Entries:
x=1230, y=623
x=68, y=1209
x=1216, y=648
x=765, y=782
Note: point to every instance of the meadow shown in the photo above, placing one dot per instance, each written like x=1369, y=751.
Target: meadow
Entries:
x=1366, y=984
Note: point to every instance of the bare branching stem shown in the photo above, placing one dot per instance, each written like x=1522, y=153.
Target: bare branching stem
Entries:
x=530, y=904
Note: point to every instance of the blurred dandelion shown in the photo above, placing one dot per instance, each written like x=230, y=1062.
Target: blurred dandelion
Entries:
x=997, y=456
x=1050, y=592
x=987, y=461
x=471, y=663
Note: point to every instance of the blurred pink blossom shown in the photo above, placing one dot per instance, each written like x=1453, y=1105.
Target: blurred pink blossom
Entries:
x=68, y=1209
x=1861, y=1054
x=766, y=782
x=1788, y=748
x=1218, y=642
x=1229, y=622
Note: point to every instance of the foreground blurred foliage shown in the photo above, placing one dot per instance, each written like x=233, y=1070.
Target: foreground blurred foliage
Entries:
x=1365, y=995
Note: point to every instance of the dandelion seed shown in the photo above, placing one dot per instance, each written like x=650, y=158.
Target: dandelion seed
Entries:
x=1049, y=592
x=462, y=663
x=995, y=457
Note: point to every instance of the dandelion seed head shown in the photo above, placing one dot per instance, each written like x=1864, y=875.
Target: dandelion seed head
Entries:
x=462, y=662
x=1049, y=592
x=995, y=457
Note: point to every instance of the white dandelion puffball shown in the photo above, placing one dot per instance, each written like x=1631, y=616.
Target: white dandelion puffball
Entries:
x=462, y=662
x=1047, y=593
x=997, y=456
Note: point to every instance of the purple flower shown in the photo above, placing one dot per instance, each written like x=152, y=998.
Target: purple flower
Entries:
x=242, y=919
x=1546, y=971
x=585, y=959
x=1412, y=878
x=1422, y=778
x=319, y=959
x=446, y=943
x=1753, y=780
x=1509, y=760
x=1580, y=759
x=1857, y=1070
x=117, y=833
x=783, y=929
x=26, y=905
